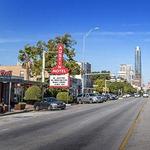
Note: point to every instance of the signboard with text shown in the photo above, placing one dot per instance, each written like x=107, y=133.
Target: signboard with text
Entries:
x=59, y=77
x=59, y=81
x=5, y=73
x=59, y=68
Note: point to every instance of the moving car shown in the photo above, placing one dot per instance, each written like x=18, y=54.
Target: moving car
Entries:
x=49, y=103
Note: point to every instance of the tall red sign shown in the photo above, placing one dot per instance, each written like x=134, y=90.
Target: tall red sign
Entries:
x=59, y=68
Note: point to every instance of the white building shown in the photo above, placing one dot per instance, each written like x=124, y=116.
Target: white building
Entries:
x=126, y=73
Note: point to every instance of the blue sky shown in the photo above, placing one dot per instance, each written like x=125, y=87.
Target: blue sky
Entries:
x=124, y=24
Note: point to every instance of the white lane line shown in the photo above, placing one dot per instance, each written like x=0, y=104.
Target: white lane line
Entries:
x=3, y=130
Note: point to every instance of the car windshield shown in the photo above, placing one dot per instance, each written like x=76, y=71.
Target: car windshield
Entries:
x=51, y=99
x=92, y=94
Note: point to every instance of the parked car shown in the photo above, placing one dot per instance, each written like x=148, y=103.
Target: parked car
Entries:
x=101, y=98
x=126, y=96
x=112, y=96
x=87, y=98
x=136, y=95
x=49, y=103
x=145, y=95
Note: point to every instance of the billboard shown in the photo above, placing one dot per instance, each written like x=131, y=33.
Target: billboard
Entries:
x=59, y=81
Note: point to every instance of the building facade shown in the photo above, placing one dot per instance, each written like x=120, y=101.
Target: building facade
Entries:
x=17, y=70
x=126, y=73
x=86, y=71
x=13, y=83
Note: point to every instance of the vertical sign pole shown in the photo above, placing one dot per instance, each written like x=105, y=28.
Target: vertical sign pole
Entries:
x=9, y=107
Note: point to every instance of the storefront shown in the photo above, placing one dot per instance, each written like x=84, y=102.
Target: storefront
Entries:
x=8, y=86
x=12, y=88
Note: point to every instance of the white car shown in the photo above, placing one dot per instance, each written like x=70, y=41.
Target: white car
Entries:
x=136, y=95
x=145, y=95
x=126, y=96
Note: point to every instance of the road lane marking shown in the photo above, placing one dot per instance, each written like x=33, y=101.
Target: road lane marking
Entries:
x=3, y=130
x=130, y=130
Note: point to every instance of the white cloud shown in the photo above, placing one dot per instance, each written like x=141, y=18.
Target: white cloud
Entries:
x=4, y=40
x=116, y=33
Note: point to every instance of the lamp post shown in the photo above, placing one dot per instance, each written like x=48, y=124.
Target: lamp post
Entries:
x=83, y=51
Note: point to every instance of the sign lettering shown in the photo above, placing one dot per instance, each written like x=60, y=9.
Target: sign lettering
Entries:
x=59, y=68
x=59, y=81
x=5, y=73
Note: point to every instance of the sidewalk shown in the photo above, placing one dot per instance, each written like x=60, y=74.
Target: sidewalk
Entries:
x=27, y=109
x=140, y=139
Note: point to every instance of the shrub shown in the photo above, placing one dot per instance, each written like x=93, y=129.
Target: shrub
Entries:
x=33, y=93
x=64, y=96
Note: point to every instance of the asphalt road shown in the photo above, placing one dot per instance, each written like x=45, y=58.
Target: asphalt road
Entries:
x=80, y=127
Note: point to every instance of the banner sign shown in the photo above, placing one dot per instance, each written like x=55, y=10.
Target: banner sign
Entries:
x=5, y=73
x=59, y=68
x=59, y=81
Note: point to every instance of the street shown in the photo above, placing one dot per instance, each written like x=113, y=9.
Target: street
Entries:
x=79, y=127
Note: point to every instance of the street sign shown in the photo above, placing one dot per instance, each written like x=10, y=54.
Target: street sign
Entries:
x=59, y=81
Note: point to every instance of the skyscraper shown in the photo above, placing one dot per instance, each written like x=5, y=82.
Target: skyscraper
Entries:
x=138, y=68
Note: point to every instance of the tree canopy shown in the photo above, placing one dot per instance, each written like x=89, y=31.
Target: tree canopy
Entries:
x=31, y=56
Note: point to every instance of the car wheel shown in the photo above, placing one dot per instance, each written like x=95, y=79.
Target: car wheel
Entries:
x=49, y=107
x=63, y=108
x=37, y=108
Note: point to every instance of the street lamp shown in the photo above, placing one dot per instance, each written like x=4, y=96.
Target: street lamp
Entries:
x=83, y=51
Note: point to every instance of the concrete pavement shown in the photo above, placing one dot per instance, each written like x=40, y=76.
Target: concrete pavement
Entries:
x=83, y=127
x=140, y=138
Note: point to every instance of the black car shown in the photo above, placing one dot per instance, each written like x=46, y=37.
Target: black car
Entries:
x=49, y=103
x=110, y=96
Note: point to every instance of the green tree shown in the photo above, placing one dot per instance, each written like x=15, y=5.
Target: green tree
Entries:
x=33, y=93
x=64, y=96
x=115, y=87
x=31, y=56
x=104, y=75
x=26, y=57
x=100, y=84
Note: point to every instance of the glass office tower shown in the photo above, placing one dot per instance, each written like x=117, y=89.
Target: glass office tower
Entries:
x=138, y=68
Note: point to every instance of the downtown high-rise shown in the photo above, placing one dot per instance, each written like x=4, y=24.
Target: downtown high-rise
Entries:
x=138, y=67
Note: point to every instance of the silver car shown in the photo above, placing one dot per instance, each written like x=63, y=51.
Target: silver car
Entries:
x=87, y=98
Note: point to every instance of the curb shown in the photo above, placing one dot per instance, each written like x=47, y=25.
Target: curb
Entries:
x=13, y=113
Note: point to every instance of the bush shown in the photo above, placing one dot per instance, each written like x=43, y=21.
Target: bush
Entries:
x=64, y=96
x=33, y=93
